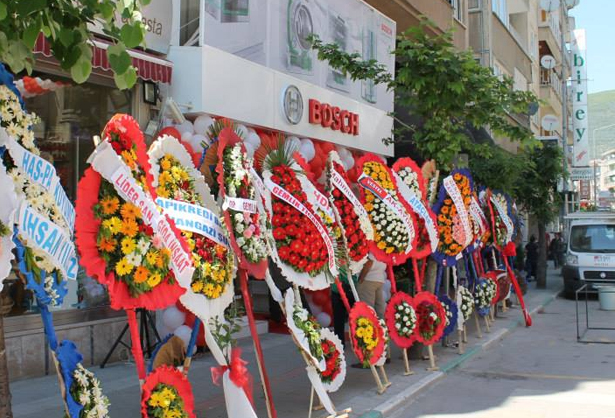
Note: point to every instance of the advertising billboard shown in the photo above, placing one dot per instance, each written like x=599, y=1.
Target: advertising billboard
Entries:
x=579, y=99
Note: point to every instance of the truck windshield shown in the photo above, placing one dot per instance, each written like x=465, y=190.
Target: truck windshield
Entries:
x=592, y=238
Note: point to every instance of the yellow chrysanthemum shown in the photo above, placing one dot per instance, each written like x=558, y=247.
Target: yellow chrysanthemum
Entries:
x=110, y=205
x=154, y=279
x=123, y=267
x=113, y=225
x=151, y=257
x=130, y=211
x=128, y=245
x=165, y=164
x=197, y=286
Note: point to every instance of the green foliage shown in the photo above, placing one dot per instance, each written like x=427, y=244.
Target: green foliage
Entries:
x=496, y=168
x=447, y=88
x=536, y=190
x=64, y=24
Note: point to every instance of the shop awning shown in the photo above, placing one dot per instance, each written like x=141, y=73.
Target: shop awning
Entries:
x=149, y=67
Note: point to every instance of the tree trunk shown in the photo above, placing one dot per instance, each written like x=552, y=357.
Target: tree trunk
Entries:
x=5, y=393
x=541, y=266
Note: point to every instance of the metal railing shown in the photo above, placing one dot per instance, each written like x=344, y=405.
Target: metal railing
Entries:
x=550, y=78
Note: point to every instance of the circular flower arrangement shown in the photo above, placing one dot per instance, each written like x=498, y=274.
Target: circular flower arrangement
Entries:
x=367, y=335
x=387, y=340
x=498, y=204
x=451, y=218
x=302, y=253
x=335, y=372
x=504, y=284
x=401, y=319
x=450, y=314
x=305, y=329
x=486, y=291
x=167, y=393
x=246, y=226
x=353, y=218
x=465, y=301
x=15, y=120
x=413, y=182
x=175, y=177
x=431, y=318
x=116, y=244
x=82, y=390
x=394, y=230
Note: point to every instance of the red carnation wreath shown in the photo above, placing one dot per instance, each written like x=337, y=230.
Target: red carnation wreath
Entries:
x=245, y=223
x=493, y=276
x=401, y=319
x=350, y=213
x=109, y=230
x=411, y=183
x=393, y=221
x=333, y=376
x=168, y=390
x=366, y=334
x=431, y=318
x=303, y=249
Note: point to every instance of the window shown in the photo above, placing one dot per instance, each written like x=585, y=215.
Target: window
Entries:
x=500, y=8
x=457, y=9
x=593, y=238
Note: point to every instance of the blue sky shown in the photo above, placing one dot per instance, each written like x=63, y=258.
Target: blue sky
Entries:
x=597, y=17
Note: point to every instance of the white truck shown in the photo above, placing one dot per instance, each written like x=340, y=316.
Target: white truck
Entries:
x=590, y=250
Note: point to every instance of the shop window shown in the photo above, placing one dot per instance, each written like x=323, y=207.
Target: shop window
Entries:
x=69, y=117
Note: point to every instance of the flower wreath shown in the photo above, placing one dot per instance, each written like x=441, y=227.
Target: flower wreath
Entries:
x=453, y=221
x=465, y=302
x=116, y=245
x=493, y=277
x=350, y=213
x=480, y=224
x=401, y=319
x=334, y=374
x=246, y=225
x=431, y=318
x=450, y=314
x=82, y=391
x=7, y=219
x=484, y=294
x=210, y=289
x=510, y=250
x=393, y=221
x=497, y=204
x=301, y=245
x=167, y=392
x=411, y=184
x=504, y=284
x=305, y=330
x=366, y=334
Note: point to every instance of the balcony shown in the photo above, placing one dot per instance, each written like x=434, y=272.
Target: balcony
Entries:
x=550, y=32
x=549, y=79
x=508, y=50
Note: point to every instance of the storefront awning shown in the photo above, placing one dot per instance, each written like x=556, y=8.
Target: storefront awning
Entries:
x=149, y=67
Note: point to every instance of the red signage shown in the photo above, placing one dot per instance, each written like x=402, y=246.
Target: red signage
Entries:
x=333, y=117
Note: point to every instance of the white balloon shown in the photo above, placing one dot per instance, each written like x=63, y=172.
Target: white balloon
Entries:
x=349, y=162
x=202, y=124
x=249, y=149
x=315, y=309
x=163, y=330
x=324, y=319
x=185, y=127
x=242, y=130
x=253, y=139
x=184, y=332
x=292, y=143
x=386, y=290
x=173, y=317
x=187, y=136
x=198, y=139
x=342, y=152
x=306, y=152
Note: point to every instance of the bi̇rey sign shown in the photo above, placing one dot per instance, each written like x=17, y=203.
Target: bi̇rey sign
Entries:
x=579, y=99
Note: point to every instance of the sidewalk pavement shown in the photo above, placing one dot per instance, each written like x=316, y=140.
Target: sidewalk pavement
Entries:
x=290, y=385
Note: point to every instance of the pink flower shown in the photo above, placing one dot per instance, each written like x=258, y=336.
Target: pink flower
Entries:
x=249, y=232
x=157, y=242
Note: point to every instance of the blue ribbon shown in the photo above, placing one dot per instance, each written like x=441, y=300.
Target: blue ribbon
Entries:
x=438, y=278
x=50, y=331
x=195, y=333
x=7, y=79
x=452, y=307
x=69, y=358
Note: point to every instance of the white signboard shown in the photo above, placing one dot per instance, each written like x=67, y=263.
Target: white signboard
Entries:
x=581, y=173
x=580, y=156
x=274, y=33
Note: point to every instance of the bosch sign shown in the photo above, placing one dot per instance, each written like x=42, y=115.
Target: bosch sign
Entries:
x=333, y=117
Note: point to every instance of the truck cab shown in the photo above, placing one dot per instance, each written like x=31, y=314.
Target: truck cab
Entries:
x=590, y=255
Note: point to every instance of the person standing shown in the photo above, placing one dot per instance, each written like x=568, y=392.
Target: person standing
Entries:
x=371, y=282
x=531, y=257
x=553, y=251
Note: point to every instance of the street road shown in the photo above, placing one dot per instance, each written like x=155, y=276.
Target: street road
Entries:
x=541, y=372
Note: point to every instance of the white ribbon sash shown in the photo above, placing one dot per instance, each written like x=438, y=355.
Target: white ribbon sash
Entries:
x=370, y=184
x=112, y=168
x=240, y=205
x=42, y=172
x=283, y=194
x=194, y=218
x=478, y=215
x=338, y=181
x=453, y=191
x=504, y=215
x=419, y=208
x=44, y=235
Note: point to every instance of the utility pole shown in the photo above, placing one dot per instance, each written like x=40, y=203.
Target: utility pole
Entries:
x=564, y=81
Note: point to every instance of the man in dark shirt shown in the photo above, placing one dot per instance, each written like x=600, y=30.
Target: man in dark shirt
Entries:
x=531, y=257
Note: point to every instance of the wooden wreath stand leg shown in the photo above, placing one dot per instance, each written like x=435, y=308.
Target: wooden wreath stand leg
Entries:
x=461, y=348
x=432, y=360
x=385, y=378
x=408, y=371
x=243, y=279
x=341, y=414
x=478, y=330
x=488, y=328
x=381, y=387
x=465, y=333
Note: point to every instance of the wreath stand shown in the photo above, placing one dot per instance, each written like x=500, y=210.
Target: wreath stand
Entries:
x=145, y=323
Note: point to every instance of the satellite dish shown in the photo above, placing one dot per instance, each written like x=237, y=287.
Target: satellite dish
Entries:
x=549, y=122
x=549, y=5
x=533, y=108
x=548, y=62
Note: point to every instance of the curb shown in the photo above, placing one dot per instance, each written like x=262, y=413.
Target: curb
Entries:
x=409, y=393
